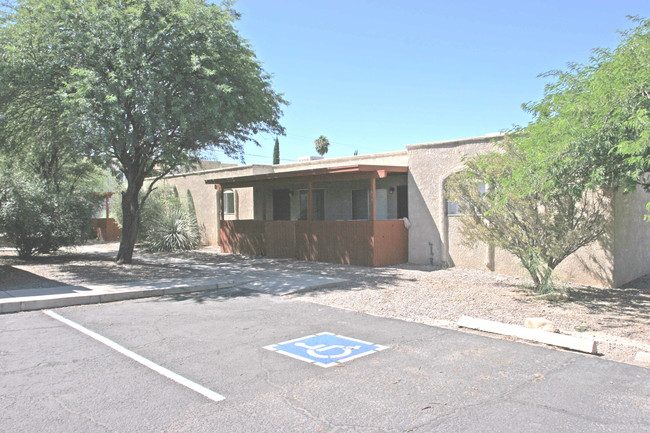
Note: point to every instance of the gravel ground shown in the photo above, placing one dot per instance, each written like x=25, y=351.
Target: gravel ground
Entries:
x=619, y=319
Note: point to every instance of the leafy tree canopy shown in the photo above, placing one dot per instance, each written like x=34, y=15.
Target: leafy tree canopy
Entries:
x=550, y=182
x=594, y=119
x=144, y=85
x=539, y=224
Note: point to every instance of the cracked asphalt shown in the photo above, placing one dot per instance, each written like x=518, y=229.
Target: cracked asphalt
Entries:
x=56, y=379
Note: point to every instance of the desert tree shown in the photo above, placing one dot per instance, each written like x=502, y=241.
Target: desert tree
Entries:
x=539, y=224
x=141, y=85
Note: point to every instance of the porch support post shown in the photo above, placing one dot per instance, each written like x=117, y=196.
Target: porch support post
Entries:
x=220, y=213
x=263, y=192
x=220, y=210
x=373, y=195
x=310, y=213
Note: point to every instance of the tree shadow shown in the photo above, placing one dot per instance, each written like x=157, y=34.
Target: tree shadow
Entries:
x=219, y=295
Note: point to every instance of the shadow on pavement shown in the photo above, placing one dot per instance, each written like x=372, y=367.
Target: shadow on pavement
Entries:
x=13, y=279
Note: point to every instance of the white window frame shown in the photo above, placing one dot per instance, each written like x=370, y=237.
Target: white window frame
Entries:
x=228, y=198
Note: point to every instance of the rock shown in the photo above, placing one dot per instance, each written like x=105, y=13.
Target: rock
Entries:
x=541, y=324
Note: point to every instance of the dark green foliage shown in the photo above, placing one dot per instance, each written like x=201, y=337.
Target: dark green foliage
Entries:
x=276, y=152
x=141, y=85
x=322, y=145
x=38, y=219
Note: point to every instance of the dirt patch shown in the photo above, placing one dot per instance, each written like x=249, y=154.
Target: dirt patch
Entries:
x=619, y=319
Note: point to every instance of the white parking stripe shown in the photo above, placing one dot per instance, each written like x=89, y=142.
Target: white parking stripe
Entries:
x=144, y=361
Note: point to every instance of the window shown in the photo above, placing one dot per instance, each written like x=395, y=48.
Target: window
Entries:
x=360, y=208
x=318, y=204
x=229, y=202
x=452, y=208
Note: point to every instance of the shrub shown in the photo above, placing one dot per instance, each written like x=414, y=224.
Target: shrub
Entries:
x=166, y=223
x=173, y=230
x=37, y=219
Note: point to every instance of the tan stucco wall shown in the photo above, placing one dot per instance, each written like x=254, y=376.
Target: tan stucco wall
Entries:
x=205, y=199
x=631, y=236
x=436, y=238
x=589, y=265
x=476, y=257
x=429, y=165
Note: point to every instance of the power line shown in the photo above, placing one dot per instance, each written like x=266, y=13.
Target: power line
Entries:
x=251, y=154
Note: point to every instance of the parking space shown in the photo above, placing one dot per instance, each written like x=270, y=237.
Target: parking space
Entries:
x=412, y=377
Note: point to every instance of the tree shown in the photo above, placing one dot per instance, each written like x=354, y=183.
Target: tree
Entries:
x=549, y=186
x=144, y=84
x=538, y=223
x=276, y=152
x=322, y=145
x=598, y=114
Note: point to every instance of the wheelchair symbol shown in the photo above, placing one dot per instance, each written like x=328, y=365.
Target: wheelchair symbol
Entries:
x=320, y=348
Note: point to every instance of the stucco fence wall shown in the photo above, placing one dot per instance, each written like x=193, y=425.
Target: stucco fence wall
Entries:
x=435, y=238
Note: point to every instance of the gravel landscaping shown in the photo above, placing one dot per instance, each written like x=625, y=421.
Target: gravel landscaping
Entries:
x=619, y=319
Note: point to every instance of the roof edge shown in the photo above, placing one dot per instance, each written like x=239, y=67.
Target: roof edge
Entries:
x=351, y=158
x=458, y=142
x=212, y=170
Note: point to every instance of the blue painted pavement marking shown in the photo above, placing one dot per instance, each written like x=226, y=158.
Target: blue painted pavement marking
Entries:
x=326, y=349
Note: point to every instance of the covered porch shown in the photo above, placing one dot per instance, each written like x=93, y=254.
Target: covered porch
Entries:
x=349, y=214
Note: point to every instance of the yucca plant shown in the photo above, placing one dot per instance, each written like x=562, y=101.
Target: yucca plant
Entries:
x=173, y=230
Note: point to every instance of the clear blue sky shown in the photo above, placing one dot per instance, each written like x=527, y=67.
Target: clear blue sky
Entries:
x=377, y=75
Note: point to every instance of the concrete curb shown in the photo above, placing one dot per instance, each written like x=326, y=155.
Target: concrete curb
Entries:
x=293, y=286
x=317, y=286
x=643, y=357
x=566, y=341
x=99, y=297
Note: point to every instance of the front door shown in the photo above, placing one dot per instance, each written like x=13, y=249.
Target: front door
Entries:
x=281, y=205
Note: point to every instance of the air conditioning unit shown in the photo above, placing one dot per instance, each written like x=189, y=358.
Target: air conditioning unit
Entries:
x=309, y=158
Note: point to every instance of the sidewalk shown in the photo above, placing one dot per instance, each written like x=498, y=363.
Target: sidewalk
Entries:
x=48, y=293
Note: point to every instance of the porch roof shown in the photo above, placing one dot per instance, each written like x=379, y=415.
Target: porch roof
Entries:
x=339, y=173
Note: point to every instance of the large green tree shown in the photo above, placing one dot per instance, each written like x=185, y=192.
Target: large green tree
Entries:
x=596, y=116
x=549, y=184
x=143, y=85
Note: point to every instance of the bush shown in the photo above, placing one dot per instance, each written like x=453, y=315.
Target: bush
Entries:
x=166, y=223
x=173, y=230
x=37, y=219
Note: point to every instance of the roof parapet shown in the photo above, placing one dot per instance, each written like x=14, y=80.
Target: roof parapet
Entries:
x=497, y=136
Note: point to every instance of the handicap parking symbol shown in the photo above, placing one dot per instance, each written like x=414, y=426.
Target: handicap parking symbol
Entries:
x=325, y=349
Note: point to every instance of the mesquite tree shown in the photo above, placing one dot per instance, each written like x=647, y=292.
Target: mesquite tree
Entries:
x=145, y=85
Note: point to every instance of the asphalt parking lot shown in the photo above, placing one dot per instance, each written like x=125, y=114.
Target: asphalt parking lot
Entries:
x=57, y=378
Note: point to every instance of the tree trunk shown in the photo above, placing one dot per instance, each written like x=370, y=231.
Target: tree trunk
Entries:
x=130, y=220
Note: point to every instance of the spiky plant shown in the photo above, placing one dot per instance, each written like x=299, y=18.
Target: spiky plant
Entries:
x=173, y=230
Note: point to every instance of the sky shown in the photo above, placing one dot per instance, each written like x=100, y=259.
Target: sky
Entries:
x=375, y=76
